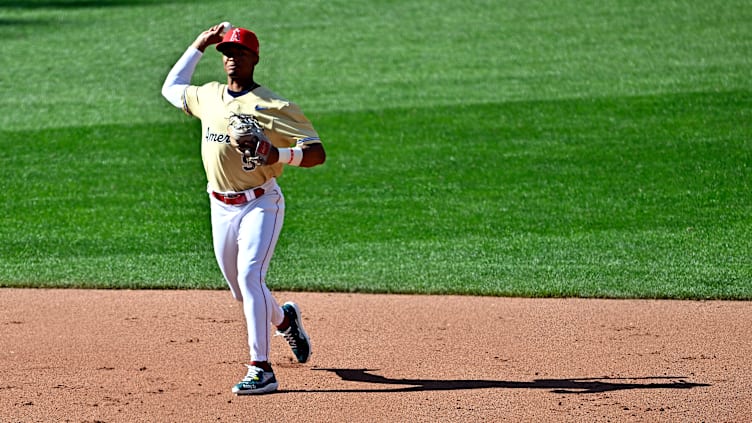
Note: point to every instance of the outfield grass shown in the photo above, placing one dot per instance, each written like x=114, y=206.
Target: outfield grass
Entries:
x=500, y=148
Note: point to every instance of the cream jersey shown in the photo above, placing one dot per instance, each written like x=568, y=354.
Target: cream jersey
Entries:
x=283, y=122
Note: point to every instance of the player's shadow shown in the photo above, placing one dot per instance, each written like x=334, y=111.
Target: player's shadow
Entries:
x=562, y=386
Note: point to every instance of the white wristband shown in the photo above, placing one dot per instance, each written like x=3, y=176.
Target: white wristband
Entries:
x=291, y=156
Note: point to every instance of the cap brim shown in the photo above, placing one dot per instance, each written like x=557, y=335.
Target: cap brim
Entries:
x=224, y=44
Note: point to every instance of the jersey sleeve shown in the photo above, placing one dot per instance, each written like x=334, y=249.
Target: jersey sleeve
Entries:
x=293, y=125
x=190, y=101
x=196, y=99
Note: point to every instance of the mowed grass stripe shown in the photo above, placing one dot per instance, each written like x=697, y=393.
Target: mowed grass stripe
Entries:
x=636, y=196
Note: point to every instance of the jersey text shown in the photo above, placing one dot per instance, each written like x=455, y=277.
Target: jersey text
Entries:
x=215, y=137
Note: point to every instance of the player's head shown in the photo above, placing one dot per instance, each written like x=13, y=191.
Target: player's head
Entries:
x=239, y=48
x=239, y=37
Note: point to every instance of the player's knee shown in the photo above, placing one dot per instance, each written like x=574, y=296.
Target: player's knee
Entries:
x=250, y=282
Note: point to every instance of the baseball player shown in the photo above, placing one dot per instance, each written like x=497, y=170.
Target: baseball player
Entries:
x=249, y=134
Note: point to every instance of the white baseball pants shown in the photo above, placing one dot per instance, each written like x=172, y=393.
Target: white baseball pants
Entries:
x=244, y=240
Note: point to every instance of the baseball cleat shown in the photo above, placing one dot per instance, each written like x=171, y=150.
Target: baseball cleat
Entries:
x=256, y=381
x=294, y=334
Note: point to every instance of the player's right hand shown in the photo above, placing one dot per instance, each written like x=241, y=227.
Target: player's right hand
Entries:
x=211, y=36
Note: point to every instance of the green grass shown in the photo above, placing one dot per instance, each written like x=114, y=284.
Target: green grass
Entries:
x=545, y=210
x=596, y=149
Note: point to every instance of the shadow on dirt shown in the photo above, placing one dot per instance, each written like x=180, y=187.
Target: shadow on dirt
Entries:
x=560, y=386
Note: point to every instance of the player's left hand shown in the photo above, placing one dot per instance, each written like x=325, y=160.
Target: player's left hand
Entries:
x=247, y=136
x=265, y=152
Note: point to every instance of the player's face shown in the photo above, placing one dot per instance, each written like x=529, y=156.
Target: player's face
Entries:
x=239, y=62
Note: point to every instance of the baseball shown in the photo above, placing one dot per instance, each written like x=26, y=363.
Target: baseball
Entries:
x=226, y=26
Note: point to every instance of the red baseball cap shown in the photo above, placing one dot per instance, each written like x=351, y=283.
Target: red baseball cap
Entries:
x=241, y=37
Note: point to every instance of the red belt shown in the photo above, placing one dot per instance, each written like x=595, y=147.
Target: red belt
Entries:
x=239, y=198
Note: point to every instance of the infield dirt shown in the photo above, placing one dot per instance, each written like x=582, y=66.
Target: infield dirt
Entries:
x=98, y=355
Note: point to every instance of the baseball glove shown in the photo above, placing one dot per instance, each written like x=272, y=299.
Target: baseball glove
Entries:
x=247, y=136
